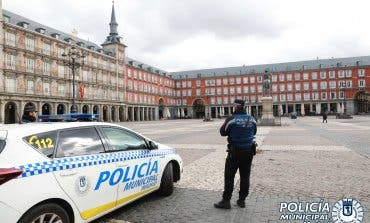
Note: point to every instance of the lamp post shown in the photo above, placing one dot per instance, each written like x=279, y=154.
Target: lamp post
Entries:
x=74, y=59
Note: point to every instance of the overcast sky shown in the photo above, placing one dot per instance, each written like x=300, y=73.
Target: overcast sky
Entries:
x=176, y=35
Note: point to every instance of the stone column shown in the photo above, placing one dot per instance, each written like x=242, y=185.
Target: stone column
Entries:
x=294, y=108
x=339, y=110
x=2, y=110
x=156, y=113
x=132, y=113
x=138, y=114
x=302, y=109
x=311, y=107
x=318, y=108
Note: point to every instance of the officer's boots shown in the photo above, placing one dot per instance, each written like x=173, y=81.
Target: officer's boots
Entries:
x=240, y=203
x=223, y=204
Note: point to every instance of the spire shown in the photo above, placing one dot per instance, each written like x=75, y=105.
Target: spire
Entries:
x=113, y=23
x=113, y=34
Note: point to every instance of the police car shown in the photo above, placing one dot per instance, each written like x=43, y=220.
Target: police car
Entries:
x=78, y=171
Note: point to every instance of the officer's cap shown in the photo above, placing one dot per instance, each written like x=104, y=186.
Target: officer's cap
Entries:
x=239, y=102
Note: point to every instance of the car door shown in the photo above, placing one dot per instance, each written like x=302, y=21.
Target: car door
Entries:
x=139, y=167
x=85, y=170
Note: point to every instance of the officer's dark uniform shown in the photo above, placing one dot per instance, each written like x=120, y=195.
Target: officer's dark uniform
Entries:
x=240, y=129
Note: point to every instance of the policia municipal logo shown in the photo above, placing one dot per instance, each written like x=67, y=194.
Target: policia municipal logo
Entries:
x=82, y=185
x=347, y=211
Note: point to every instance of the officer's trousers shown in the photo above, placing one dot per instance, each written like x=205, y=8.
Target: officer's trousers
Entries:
x=242, y=160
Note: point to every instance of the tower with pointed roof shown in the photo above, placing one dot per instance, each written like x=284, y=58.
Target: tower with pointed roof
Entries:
x=114, y=46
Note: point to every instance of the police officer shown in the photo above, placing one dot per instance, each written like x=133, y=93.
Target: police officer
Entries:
x=29, y=114
x=240, y=129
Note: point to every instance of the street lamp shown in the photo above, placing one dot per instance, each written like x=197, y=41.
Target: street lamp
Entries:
x=74, y=59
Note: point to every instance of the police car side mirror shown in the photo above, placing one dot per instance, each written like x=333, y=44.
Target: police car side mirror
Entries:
x=152, y=145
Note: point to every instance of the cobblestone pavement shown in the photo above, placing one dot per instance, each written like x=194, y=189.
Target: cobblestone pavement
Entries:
x=304, y=160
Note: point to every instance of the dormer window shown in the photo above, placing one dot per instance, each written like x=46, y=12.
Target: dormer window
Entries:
x=55, y=35
x=40, y=30
x=24, y=24
x=6, y=18
x=81, y=44
x=91, y=47
x=100, y=50
x=68, y=40
x=131, y=62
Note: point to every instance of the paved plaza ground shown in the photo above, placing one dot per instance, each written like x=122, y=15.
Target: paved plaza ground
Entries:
x=304, y=160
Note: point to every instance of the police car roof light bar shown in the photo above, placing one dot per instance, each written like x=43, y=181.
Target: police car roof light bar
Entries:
x=72, y=117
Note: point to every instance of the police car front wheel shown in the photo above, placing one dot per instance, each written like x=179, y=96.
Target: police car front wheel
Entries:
x=166, y=188
x=46, y=213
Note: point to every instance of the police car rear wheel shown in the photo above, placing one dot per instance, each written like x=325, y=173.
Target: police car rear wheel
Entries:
x=166, y=187
x=46, y=213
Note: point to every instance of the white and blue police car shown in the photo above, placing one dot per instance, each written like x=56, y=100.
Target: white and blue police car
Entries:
x=78, y=171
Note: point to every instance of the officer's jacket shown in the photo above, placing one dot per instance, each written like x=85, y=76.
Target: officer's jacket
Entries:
x=240, y=129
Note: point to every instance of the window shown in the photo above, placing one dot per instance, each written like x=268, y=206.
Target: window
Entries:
x=30, y=44
x=10, y=61
x=253, y=89
x=341, y=73
x=259, y=79
x=282, y=97
x=120, y=139
x=30, y=65
x=77, y=142
x=290, y=87
x=252, y=80
x=183, y=84
x=226, y=100
x=306, y=96
x=189, y=83
x=219, y=91
x=46, y=68
x=198, y=92
x=274, y=78
x=259, y=88
x=43, y=142
x=60, y=52
x=314, y=85
x=348, y=73
x=289, y=77
x=61, y=71
x=315, y=96
x=323, y=85
x=61, y=90
x=297, y=76
x=231, y=80
x=46, y=88
x=331, y=74
x=361, y=83
x=290, y=97
x=305, y=76
x=238, y=80
x=30, y=87
x=225, y=81
x=281, y=77
x=298, y=86
x=274, y=87
x=197, y=83
x=218, y=82
x=10, y=85
x=9, y=39
x=361, y=72
x=332, y=84
x=84, y=76
x=314, y=75
x=189, y=92
x=298, y=97
x=245, y=80
x=306, y=86
x=46, y=49
x=282, y=87
x=341, y=94
x=232, y=90
x=333, y=95
x=245, y=89
x=238, y=90
x=323, y=95
x=322, y=74
x=349, y=84
x=226, y=90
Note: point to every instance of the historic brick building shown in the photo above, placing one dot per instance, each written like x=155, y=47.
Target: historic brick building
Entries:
x=306, y=87
x=123, y=89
